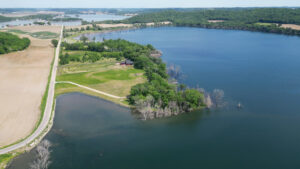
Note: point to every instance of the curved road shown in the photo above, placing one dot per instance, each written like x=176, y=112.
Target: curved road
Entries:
x=93, y=90
x=48, y=109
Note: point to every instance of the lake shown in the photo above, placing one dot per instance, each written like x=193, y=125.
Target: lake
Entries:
x=86, y=17
x=259, y=70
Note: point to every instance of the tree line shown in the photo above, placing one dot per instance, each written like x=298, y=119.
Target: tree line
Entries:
x=234, y=18
x=11, y=43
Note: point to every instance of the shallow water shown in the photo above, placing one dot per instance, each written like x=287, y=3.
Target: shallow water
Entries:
x=16, y=23
x=259, y=70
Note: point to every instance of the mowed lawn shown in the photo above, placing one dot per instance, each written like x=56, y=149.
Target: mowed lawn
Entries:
x=104, y=75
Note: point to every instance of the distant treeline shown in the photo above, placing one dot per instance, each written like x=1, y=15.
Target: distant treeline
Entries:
x=5, y=19
x=155, y=98
x=46, y=17
x=235, y=18
x=10, y=43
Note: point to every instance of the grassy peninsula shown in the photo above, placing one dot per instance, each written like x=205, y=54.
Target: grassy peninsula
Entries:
x=143, y=85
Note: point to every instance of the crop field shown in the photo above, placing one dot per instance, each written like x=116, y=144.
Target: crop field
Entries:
x=24, y=75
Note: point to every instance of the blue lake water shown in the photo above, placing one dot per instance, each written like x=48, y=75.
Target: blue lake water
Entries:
x=259, y=70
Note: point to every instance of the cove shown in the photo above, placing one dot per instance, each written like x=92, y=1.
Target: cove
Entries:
x=259, y=70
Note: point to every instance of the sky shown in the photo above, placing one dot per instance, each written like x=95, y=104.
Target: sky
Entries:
x=145, y=3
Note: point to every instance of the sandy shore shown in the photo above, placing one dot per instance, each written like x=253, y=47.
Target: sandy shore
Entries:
x=24, y=76
x=292, y=26
x=101, y=25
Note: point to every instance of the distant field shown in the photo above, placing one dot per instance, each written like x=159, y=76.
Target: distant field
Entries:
x=104, y=75
x=264, y=24
x=39, y=35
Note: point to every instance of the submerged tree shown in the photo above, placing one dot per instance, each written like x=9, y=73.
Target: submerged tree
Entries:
x=217, y=97
x=43, y=156
x=174, y=71
x=144, y=106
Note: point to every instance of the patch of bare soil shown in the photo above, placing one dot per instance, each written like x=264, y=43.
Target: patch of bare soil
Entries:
x=160, y=23
x=215, y=21
x=292, y=26
x=101, y=25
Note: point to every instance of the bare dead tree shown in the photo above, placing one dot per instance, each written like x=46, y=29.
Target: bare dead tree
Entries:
x=43, y=156
x=174, y=71
x=208, y=101
x=201, y=90
x=218, y=96
x=144, y=106
x=173, y=106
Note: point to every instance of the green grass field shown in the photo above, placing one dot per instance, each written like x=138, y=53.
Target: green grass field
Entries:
x=104, y=75
x=80, y=78
x=263, y=24
x=128, y=74
x=44, y=35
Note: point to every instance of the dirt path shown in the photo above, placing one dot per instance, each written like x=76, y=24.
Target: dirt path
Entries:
x=21, y=97
x=93, y=90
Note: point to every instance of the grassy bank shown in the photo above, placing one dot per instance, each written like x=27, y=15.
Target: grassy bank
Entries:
x=5, y=159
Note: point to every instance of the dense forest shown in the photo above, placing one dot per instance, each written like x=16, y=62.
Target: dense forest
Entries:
x=155, y=98
x=253, y=19
x=10, y=43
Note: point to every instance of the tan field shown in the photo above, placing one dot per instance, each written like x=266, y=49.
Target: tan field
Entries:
x=24, y=76
x=292, y=26
x=161, y=23
x=215, y=21
x=101, y=25
x=32, y=29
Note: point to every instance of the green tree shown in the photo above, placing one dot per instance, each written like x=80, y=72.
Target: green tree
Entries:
x=84, y=39
x=54, y=42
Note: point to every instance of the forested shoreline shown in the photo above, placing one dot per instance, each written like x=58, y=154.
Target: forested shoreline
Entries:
x=10, y=43
x=251, y=19
x=155, y=98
